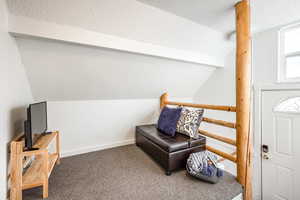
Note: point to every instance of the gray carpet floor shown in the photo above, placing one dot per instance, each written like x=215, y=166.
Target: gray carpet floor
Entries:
x=127, y=173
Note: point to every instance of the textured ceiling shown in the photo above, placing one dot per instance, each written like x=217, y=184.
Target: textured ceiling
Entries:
x=267, y=14
x=129, y=19
x=217, y=14
x=220, y=14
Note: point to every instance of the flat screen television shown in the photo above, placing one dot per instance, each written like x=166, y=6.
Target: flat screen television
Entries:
x=36, y=122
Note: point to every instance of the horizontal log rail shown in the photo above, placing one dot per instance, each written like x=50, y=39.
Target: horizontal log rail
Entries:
x=222, y=154
x=219, y=122
x=218, y=137
x=223, y=159
x=164, y=101
x=244, y=149
x=205, y=106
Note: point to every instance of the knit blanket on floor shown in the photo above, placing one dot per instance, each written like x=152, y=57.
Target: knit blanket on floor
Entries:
x=204, y=163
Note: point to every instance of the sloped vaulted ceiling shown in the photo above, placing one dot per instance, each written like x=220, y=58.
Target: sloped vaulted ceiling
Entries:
x=59, y=70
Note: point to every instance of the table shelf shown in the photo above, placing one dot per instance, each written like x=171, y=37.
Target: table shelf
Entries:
x=40, y=168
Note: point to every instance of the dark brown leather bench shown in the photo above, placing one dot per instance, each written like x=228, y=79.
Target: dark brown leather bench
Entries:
x=170, y=152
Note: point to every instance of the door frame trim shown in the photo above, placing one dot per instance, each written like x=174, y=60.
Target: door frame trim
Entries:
x=258, y=89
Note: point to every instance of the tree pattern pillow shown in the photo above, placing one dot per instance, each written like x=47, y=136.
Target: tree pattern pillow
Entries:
x=189, y=122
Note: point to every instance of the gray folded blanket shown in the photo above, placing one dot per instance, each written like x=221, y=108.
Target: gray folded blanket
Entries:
x=203, y=165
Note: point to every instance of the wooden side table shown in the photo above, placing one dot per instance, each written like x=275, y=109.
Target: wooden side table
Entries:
x=37, y=174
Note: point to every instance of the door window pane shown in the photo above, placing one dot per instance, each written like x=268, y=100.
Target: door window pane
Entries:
x=289, y=105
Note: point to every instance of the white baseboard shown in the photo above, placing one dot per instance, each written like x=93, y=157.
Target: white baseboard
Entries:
x=96, y=148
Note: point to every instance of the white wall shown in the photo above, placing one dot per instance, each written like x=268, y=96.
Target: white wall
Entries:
x=265, y=57
x=220, y=87
x=15, y=94
x=94, y=125
x=60, y=71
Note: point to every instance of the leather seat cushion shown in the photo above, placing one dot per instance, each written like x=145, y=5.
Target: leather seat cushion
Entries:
x=168, y=143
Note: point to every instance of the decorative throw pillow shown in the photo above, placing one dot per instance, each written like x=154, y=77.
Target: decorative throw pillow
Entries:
x=189, y=122
x=168, y=120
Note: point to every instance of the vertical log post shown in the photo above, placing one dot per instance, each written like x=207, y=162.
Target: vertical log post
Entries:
x=163, y=100
x=243, y=81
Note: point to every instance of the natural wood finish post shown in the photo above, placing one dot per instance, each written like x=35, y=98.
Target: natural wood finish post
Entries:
x=16, y=160
x=243, y=78
x=163, y=100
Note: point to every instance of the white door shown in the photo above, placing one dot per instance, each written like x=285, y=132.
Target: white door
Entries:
x=281, y=137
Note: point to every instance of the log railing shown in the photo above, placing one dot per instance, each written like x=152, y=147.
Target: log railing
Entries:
x=243, y=155
x=219, y=122
x=221, y=153
x=223, y=159
x=218, y=137
x=234, y=157
x=205, y=106
x=164, y=101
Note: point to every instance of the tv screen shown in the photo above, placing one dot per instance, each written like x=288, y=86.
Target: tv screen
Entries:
x=36, y=123
x=38, y=118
